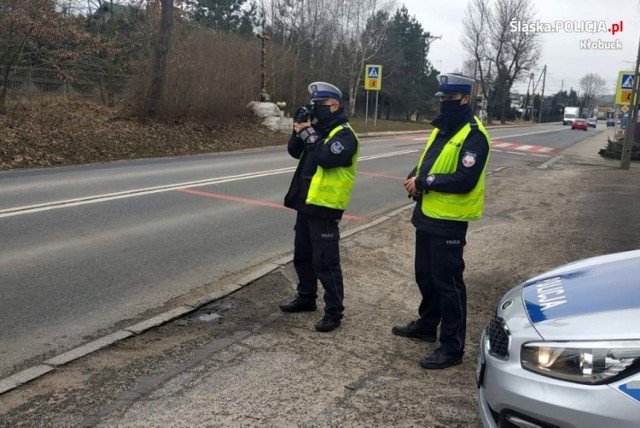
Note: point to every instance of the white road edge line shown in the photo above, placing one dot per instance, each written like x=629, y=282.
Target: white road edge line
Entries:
x=93, y=199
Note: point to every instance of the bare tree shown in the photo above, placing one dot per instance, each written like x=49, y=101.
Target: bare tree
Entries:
x=592, y=87
x=515, y=53
x=302, y=30
x=32, y=32
x=331, y=39
x=21, y=21
x=119, y=27
x=490, y=40
x=475, y=42
x=362, y=29
x=155, y=93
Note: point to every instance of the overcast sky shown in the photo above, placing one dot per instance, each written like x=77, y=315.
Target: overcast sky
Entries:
x=560, y=51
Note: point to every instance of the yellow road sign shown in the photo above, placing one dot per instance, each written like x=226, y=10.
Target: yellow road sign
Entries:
x=372, y=77
x=624, y=109
x=624, y=87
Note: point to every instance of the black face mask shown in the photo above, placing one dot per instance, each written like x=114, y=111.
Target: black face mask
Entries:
x=451, y=107
x=323, y=114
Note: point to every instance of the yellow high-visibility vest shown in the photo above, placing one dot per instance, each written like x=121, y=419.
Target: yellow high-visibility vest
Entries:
x=332, y=187
x=454, y=206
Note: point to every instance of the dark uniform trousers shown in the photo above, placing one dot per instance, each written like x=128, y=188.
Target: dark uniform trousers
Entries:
x=316, y=255
x=439, y=266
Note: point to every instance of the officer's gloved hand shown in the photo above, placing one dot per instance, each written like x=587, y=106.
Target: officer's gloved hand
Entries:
x=308, y=134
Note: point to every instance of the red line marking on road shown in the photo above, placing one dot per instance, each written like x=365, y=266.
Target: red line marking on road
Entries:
x=375, y=174
x=254, y=202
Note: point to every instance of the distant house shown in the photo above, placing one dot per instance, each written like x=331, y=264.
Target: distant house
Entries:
x=125, y=13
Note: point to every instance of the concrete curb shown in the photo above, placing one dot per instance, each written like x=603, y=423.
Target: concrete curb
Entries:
x=17, y=379
x=20, y=378
x=88, y=348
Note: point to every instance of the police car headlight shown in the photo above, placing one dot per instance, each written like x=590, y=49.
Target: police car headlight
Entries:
x=583, y=362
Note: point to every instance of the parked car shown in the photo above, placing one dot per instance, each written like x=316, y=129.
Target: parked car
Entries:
x=563, y=348
x=592, y=122
x=580, y=124
x=611, y=122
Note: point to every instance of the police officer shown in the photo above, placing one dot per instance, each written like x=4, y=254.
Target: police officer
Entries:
x=448, y=186
x=320, y=191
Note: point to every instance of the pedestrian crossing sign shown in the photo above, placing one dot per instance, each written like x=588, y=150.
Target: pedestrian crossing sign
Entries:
x=627, y=81
x=624, y=88
x=372, y=77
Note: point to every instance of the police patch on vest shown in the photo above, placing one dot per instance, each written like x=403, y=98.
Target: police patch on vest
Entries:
x=469, y=159
x=336, y=148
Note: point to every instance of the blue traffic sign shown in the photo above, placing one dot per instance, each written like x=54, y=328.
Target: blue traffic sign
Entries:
x=627, y=81
x=373, y=72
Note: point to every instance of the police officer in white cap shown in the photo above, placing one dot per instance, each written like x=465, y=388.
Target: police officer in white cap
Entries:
x=448, y=184
x=320, y=191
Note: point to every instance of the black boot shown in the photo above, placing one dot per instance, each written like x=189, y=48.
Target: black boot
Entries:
x=299, y=305
x=414, y=330
x=328, y=323
x=439, y=360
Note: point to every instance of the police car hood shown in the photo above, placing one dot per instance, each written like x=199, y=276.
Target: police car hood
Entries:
x=591, y=299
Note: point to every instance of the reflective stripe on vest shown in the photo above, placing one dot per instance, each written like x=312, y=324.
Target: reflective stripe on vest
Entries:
x=332, y=187
x=454, y=206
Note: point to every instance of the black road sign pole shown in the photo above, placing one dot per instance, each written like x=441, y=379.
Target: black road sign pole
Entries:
x=375, y=117
x=629, y=136
x=366, y=109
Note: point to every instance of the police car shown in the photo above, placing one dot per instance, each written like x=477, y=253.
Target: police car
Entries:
x=563, y=348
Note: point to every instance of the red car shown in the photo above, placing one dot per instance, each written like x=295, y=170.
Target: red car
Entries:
x=580, y=124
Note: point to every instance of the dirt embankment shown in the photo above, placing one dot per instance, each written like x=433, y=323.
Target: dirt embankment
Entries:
x=58, y=131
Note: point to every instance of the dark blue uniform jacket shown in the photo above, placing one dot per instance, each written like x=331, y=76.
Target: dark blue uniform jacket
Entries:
x=314, y=152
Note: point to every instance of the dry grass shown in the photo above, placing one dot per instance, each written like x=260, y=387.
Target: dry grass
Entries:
x=59, y=131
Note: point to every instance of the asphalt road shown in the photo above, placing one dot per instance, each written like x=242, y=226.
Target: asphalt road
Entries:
x=86, y=247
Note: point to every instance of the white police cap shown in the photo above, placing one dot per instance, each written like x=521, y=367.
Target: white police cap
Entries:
x=323, y=90
x=451, y=83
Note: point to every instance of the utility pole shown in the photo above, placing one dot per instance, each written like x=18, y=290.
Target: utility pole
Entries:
x=629, y=136
x=532, y=117
x=526, y=104
x=475, y=87
x=544, y=78
x=264, y=96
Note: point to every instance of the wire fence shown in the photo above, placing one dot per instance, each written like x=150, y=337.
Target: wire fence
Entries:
x=32, y=82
